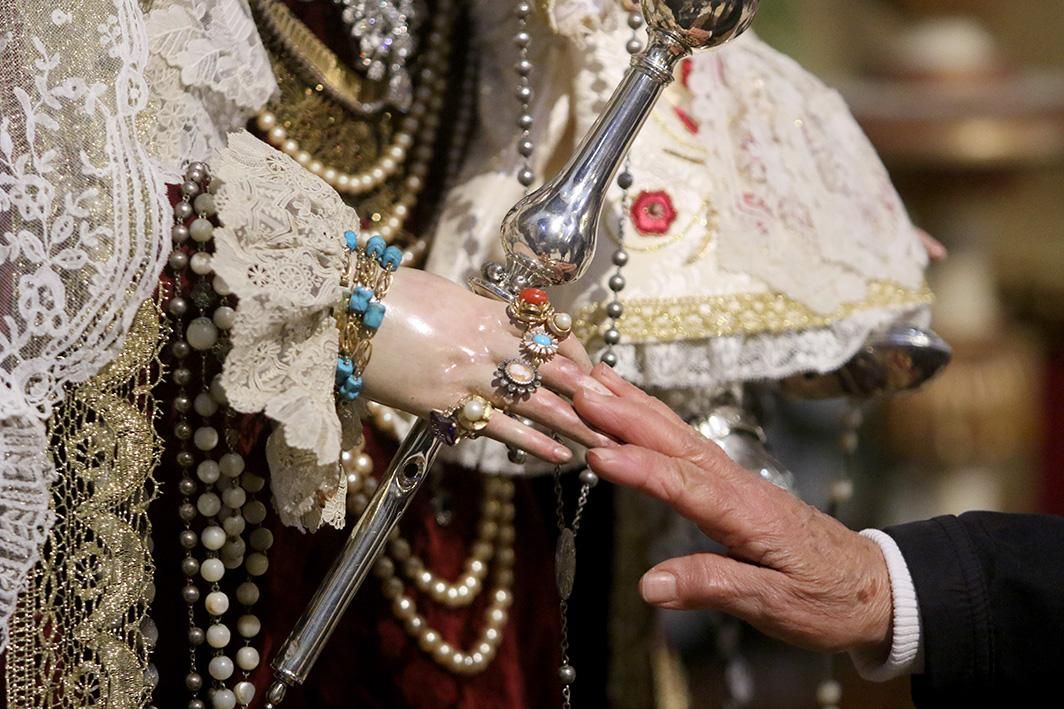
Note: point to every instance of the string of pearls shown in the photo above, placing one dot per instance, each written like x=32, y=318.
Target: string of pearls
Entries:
x=616, y=283
x=491, y=537
x=525, y=145
x=494, y=546
x=415, y=137
x=829, y=691
x=499, y=494
x=224, y=493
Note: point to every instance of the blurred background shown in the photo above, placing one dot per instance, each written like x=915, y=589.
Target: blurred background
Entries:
x=965, y=101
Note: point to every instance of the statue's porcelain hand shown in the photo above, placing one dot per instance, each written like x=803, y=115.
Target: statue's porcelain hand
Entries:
x=440, y=343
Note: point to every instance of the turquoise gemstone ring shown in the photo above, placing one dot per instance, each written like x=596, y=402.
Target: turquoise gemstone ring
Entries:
x=538, y=345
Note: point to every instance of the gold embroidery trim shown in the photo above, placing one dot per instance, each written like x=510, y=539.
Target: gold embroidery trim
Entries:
x=694, y=318
x=77, y=637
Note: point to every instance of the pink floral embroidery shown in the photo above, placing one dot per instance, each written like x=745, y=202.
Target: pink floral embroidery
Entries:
x=653, y=213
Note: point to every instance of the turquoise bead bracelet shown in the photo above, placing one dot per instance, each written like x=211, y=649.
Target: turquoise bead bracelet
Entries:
x=367, y=277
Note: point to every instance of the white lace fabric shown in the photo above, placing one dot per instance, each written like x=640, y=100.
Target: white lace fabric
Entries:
x=81, y=208
x=209, y=74
x=280, y=250
x=805, y=205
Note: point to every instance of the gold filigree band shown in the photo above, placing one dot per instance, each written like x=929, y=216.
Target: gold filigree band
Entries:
x=653, y=320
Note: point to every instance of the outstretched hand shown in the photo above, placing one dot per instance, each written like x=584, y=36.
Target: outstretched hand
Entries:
x=792, y=572
x=440, y=343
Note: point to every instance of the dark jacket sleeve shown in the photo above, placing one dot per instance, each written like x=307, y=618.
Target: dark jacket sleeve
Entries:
x=990, y=588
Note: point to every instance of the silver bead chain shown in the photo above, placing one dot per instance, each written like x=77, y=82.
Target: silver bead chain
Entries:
x=525, y=144
x=565, y=554
x=616, y=283
x=614, y=308
x=226, y=499
x=565, y=573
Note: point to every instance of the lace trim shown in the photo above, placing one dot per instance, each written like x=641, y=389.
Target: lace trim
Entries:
x=80, y=248
x=280, y=251
x=91, y=588
x=209, y=73
x=805, y=204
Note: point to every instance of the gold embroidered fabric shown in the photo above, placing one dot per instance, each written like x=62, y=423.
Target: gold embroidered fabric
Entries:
x=81, y=635
x=676, y=319
x=318, y=66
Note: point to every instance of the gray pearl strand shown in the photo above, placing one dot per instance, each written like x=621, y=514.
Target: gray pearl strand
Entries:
x=227, y=508
x=525, y=145
x=181, y=375
x=616, y=283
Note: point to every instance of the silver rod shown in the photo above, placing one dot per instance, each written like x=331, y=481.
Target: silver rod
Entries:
x=407, y=472
x=550, y=235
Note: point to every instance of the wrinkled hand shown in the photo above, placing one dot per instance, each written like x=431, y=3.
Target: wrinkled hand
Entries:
x=794, y=573
x=440, y=343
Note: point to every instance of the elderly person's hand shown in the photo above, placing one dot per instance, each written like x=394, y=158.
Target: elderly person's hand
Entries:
x=792, y=572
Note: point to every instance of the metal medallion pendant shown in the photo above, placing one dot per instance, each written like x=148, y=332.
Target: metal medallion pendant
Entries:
x=565, y=563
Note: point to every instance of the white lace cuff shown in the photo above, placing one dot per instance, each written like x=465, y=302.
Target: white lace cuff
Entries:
x=280, y=250
x=906, y=646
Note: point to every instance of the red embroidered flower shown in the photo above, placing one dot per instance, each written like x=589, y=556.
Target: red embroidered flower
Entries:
x=653, y=213
x=685, y=72
x=689, y=123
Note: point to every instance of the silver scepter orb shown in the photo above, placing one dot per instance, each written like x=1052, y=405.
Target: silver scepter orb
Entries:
x=549, y=236
x=700, y=24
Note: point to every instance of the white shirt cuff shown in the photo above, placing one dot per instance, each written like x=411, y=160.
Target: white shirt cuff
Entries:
x=906, y=645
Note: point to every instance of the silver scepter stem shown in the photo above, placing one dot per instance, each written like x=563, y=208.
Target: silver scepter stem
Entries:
x=407, y=471
x=549, y=239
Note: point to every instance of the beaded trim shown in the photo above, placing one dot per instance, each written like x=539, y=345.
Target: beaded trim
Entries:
x=360, y=312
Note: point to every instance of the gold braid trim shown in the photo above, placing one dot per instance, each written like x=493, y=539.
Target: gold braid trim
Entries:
x=695, y=318
x=78, y=635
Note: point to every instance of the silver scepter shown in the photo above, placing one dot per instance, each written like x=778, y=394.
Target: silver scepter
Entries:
x=549, y=239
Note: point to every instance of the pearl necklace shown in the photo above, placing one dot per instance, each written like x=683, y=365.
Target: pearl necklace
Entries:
x=482, y=651
x=417, y=133
x=226, y=499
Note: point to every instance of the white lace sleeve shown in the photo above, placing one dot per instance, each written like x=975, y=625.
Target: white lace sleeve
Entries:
x=209, y=73
x=81, y=214
x=280, y=251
